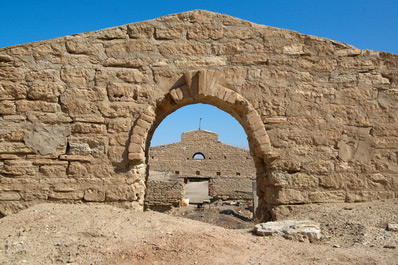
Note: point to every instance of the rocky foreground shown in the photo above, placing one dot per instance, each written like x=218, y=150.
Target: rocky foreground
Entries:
x=100, y=234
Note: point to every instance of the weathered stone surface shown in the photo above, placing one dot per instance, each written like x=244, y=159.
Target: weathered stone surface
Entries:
x=7, y=107
x=45, y=91
x=12, y=91
x=290, y=229
x=321, y=116
x=47, y=139
x=186, y=48
x=14, y=148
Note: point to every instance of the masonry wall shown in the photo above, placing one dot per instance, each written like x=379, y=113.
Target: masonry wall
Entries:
x=70, y=107
x=231, y=169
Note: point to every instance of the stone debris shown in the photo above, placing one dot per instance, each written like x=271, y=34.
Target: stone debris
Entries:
x=290, y=229
x=392, y=227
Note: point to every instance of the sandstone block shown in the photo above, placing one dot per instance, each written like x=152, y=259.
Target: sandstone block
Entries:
x=37, y=117
x=327, y=196
x=86, y=128
x=185, y=48
x=122, y=92
x=11, y=90
x=119, y=139
x=116, y=153
x=128, y=63
x=53, y=171
x=242, y=33
x=45, y=91
x=113, y=33
x=140, y=30
x=119, y=109
x=14, y=148
x=169, y=31
x=81, y=46
x=40, y=106
x=132, y=76
x=7, y=107
x=75, y=158
x=249, y=59
x=9, y=196
x=290, y=196
x=43, y=75
x=290, y=229
x=77, y=75
x=205, y=31
x=200, y=61
x=93, y=195
x=73, y=195
x=119, y=125
x=11, y=74
x=121, y=193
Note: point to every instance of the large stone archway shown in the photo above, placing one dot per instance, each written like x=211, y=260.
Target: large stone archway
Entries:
x=77, y=113
x=204, y=86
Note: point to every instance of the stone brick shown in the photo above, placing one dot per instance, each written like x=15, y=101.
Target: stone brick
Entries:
x=128, y=63
x=43, y=75
x=169, y=31
x=76, y=75
x=9, y=196
x=14, y=148
x=12, y=91
x=205, y=31
x=45, y=91
x=72, y=195
x=93, y=195
x=185, y=48
x=249, y=59
x=7, y=108
x=40, y=106
x=88, y=128
x=132, y=76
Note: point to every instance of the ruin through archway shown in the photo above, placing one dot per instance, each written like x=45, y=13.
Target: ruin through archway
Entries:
x=204, y=87
x=218, y=154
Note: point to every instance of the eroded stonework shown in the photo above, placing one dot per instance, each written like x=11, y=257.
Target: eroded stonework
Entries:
x=321, y=116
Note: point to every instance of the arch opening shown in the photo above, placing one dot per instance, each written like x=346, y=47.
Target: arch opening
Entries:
x=203, y=87
x=198, y=156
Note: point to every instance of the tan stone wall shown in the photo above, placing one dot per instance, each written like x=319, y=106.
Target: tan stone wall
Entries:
x=220, y=160
x=231, y=169
x=78, y=112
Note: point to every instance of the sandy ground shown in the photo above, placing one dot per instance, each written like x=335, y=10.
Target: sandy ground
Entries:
x=100, y=234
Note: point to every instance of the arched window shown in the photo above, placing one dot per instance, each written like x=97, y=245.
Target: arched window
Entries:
x=198, y=156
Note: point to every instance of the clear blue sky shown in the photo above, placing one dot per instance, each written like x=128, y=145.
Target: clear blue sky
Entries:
x=366, y=24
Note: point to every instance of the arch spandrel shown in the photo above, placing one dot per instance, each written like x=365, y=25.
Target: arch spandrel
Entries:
x=202, y=86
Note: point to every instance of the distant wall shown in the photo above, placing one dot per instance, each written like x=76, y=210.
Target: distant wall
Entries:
x=231, y=169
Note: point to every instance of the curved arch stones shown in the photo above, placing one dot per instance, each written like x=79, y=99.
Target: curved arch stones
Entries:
x=203, y=85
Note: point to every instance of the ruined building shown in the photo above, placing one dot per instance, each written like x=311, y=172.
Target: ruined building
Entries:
x=77, y=113
x=199, y=156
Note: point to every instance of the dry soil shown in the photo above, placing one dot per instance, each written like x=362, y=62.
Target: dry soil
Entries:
x=100, y=234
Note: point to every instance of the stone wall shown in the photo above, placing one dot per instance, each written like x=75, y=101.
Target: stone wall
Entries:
x=230, y=169
x=164, y=190
x=78, y=112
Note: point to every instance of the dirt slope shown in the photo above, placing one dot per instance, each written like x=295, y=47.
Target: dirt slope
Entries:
x=100, y=234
